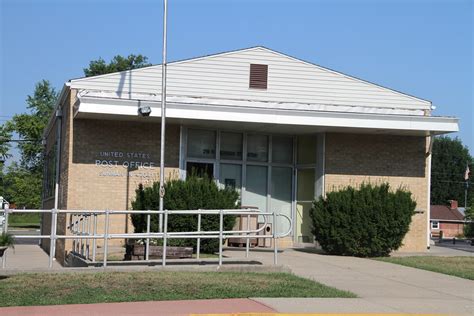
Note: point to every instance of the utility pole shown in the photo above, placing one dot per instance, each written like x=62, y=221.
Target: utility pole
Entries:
x=466, y=188
x=465, y=193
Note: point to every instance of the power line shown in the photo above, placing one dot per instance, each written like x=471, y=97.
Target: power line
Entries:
x=450, y=181
x=447, y=173
x=18, y=140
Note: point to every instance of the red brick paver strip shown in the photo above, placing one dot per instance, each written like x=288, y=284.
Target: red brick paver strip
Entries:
x=171, y=308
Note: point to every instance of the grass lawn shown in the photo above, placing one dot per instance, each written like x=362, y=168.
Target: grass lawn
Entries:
x=24, y=220
x=81, y=288
x=462, y=267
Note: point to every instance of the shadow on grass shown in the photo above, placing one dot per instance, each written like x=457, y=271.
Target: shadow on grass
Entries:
x=27, y=226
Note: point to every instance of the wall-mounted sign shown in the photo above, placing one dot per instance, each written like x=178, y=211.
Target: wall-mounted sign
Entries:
x=122, y=164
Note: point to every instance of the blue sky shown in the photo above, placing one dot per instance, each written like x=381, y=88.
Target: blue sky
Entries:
x=424, y=48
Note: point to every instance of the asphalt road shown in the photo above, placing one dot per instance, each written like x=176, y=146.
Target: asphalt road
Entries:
x=24, y=241
x=459, y=245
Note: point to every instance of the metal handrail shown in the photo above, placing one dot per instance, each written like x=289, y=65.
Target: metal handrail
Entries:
x=80, y=230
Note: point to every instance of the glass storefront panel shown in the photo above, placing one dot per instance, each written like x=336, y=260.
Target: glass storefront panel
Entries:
x=230, y=176
x=306, y=149
x=281, y=195
x=282, y=149
x=231, y=146
x=201, y=158
x=200, y=170
x=201, y=144
x=257, y=148
x=255, y=194
x=304, y=202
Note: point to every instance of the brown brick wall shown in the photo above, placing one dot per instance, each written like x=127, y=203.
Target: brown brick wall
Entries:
x=351, y=159
x=109, y=187
x=451, y=229
x=88, y=186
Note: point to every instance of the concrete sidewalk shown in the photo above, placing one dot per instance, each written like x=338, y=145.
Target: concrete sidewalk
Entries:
x=27, y=258
x=382, y=287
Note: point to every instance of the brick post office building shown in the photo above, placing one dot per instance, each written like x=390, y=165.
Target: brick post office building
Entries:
x=280, y=130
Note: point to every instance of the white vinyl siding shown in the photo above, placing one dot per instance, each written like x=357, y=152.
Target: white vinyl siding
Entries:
x=226, y=76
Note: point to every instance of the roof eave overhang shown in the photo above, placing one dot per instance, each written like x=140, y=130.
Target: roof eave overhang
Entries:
x=62, y=95
x=432, y=125
x=448, y=220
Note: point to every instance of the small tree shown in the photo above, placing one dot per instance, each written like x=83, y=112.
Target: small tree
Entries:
x=22, y=187
x=365, y=222
x=192, y=194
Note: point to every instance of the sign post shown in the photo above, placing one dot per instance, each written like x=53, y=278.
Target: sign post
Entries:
x=163, y=119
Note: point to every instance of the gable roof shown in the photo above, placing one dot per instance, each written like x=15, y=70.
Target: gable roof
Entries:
x=225, y=76
x=443, y=212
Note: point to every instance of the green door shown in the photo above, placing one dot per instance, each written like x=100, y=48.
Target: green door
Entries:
x=304, y=200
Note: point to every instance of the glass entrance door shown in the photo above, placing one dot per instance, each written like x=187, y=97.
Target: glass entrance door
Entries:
x=305, y=186
x=304, y=200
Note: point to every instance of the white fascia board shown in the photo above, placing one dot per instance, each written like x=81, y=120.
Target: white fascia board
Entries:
x=448, y=220
x=273, y=116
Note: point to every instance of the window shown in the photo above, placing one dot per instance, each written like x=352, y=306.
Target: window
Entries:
x=231, y=146
x=49, y=173
x=281, y=194
x=230, y=176
x=256, y=188
x=434, y=225
x=306, y=151
x=257, y=148
x=282, y=149
x=264, y=180
x=200, y=169
x=201, y=144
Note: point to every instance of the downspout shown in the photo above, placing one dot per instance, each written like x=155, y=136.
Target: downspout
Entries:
x=54, y=117
x=57, y=176
x=43, y=188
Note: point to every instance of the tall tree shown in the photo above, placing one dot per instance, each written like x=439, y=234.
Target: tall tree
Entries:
x=30, y=126
x=21, y=183
x=118, y=63
x=5, y=137
x=448, y=166
x=469, y=217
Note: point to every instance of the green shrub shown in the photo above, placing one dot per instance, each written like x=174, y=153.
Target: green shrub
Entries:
x=7, y=240
x=366, y=222
x=191, y=194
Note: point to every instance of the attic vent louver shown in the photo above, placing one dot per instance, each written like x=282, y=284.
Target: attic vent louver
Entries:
x=258, y=76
